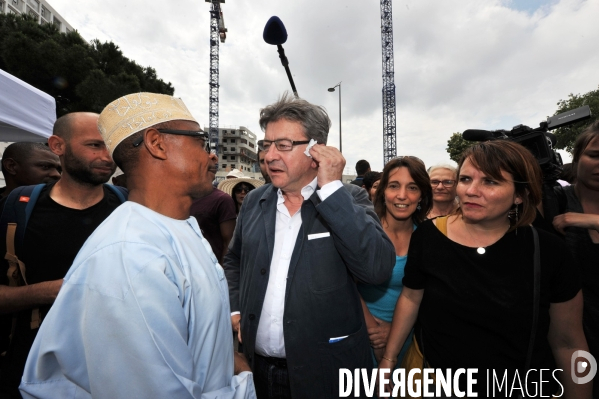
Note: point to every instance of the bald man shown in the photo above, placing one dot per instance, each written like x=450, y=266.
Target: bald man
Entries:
x=65, y=214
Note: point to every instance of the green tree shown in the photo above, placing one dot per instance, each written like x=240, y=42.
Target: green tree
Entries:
x=81, y=76
x=566, y=136
x=456, y=146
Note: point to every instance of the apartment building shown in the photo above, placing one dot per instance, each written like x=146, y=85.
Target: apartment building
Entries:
x=38, y=9
x=237, y=149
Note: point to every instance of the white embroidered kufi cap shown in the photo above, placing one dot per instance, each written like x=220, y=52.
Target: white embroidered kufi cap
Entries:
x=135, y=112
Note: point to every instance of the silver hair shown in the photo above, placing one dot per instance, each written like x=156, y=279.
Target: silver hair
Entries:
x=443, y=165
x=313, y=118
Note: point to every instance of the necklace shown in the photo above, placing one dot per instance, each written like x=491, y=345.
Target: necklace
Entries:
x=432, y=216
x=481, y=250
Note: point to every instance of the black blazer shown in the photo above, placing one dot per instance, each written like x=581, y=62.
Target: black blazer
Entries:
x=321, y=299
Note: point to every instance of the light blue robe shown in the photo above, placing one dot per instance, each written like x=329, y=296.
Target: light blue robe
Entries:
x=142, y=313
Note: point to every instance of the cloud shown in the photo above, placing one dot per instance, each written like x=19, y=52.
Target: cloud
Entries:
x=459, y=64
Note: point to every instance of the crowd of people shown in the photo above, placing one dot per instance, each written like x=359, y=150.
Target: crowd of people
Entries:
x=111, y=292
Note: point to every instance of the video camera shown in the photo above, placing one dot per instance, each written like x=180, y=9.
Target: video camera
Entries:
x=538, y=141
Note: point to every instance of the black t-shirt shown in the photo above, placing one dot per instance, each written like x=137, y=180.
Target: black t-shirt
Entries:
x=586, y=253
x=54, y=236
x=476, y=311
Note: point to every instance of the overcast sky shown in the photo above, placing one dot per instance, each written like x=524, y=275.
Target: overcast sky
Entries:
x=459, y=64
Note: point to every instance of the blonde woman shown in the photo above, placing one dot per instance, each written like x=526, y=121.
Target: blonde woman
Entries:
x=443, y=181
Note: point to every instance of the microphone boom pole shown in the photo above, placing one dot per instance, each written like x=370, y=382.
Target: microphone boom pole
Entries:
x=285, y=63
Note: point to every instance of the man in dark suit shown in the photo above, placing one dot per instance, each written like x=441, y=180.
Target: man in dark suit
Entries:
x=298, y=246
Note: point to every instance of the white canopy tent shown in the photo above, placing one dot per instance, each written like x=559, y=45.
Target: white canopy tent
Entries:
x=26, y=113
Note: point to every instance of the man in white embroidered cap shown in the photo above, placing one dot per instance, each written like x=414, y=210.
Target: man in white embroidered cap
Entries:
x=144, y=311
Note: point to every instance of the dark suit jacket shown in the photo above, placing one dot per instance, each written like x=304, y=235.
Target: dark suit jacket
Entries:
x=321, y=299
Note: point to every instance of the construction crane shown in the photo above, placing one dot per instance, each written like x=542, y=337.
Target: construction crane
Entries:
x=218, y=33
x=389, y=135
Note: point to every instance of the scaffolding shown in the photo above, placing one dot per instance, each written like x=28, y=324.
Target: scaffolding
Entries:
x=389, y=108
x=218, y=33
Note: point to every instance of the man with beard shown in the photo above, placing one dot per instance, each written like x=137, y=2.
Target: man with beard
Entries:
x=143, y=311
x=64, y=216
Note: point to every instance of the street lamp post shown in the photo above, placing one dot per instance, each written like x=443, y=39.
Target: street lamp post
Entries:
x=332, y=89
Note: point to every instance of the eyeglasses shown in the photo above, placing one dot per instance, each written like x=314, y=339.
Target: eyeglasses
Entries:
x=282, y=144
x=244, y=189
x=445, y=183
x=192, y=133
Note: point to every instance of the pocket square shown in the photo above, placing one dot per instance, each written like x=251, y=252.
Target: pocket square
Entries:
x=318, y=235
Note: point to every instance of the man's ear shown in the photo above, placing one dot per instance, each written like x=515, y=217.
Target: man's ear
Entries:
x=155, y=144
x=57, y=145
x=10, y=166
